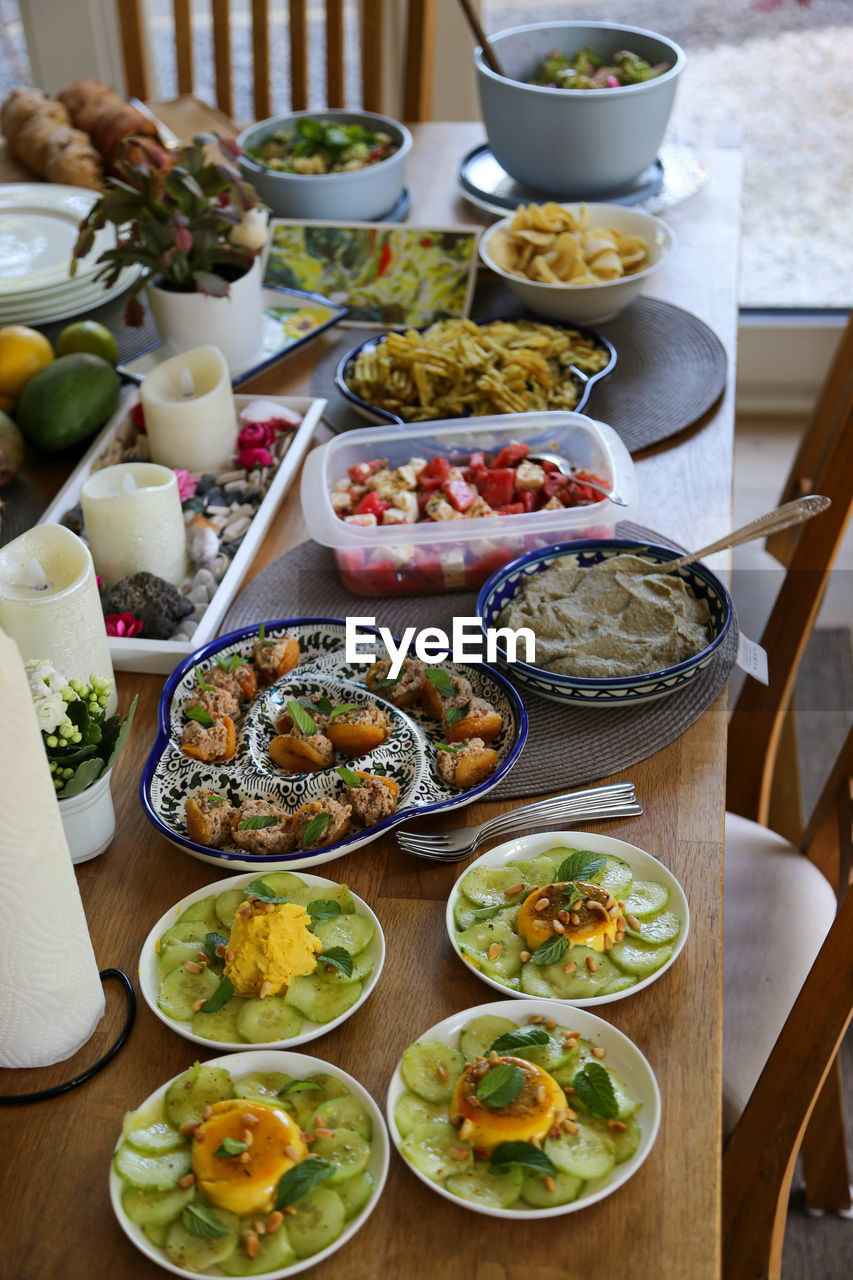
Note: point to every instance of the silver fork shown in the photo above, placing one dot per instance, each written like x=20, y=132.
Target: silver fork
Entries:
x=616, y=800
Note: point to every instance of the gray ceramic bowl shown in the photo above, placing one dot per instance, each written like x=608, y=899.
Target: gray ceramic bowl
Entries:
x=360, y=195
x=575, y=143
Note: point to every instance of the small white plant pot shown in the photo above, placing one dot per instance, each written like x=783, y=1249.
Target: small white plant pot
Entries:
x=89, y=820
x=234, y=323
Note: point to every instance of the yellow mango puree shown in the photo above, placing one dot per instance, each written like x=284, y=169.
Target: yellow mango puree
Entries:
x=270, y=946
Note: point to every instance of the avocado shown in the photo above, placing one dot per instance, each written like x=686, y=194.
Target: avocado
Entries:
x=67, y=400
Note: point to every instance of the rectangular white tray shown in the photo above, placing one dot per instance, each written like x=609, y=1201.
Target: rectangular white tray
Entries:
x=162, y=656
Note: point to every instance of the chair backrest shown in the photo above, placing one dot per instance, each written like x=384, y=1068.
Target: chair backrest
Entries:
x=415, y=72
x=759, y=1159
x=824, y=465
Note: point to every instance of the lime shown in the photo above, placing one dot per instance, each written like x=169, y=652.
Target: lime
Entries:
x=88, y=335
x=23, y=352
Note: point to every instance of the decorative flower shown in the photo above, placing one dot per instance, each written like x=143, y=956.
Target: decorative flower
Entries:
x=99, y=582
x=187, y=482
x=47, y=686
x=250, y=458
x=256, y=435
x=251, y=230
x=122, y=624
x=137, y=416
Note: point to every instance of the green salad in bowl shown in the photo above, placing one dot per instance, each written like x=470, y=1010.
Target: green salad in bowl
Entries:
x=313, y=145
x=587, y=69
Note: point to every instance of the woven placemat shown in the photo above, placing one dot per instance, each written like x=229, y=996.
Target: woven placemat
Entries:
x=670, y=368
x=131, y=342
x=567, y=746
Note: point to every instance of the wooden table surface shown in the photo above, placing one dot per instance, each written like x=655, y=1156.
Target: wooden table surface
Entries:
x=665, y=1222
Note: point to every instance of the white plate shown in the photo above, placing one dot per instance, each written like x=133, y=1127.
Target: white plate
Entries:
x=644, y=866
x=141, y=654
x=38, y=231
x=299, y=1065
x=73, y=302
x=621, y=1054
x=149, y=983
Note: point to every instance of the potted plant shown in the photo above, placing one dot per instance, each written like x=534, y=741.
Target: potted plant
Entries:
x=82, y=744
x=197, y=230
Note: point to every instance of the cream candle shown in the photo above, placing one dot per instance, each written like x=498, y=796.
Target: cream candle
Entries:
x=134, y=521
x=49, y=602
x=189, y=411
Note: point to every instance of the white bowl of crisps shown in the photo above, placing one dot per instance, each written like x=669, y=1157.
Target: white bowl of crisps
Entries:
x=582, y=263
x=267, y=960
x=511, y=917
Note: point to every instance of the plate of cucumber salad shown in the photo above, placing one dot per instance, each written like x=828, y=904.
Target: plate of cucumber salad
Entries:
x=571, y=916
x=520, y=1110
x=258, y=1163
x=184, y=965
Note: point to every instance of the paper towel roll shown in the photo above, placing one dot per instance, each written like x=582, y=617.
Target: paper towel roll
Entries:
x=51, y=998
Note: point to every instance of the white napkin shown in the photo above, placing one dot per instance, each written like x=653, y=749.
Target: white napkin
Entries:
x=51, y=998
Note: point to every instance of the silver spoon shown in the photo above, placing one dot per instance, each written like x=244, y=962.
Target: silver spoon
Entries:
x=565, y=468
x=781, y=518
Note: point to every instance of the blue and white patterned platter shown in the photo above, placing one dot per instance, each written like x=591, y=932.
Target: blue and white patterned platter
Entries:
x=615, y=691
x=407, y=755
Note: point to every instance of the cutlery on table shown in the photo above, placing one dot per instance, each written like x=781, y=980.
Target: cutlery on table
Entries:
x=616, y=800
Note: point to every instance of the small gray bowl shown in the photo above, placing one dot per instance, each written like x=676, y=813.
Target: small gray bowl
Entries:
x=575, y=143
x=359, y=195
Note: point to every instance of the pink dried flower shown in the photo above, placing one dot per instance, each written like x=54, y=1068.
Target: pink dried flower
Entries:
x=122, y=624
x=250, y=458
x=137, y=416
x=183, y=239
x=99, y=582
x=186, y=483
x=256, y=435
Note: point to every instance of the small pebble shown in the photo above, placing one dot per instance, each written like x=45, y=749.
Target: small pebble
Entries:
x=199, y=595
x=235, y=528
x=225, y=477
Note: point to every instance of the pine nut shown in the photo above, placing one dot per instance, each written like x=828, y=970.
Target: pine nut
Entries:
x=494, y=1057
x=253, y=1244
x=266, y=989
x=207, y=1113
x=291, y=1152
x=571, y=1115
x=259, y=1226
x=590, y=964
x=558, y=926
x=459, y=1153
x=570, y=1127
x=608, y=942
x=619, y=1125
x=198, y=1132
x=248, y=1118
x=244, y=1157
x=324, y=1133
x=633, y=922
x=188, y=1127
x=308, y=1137
x=563, y=916
x=620, y=922
x=274, y=1221
x=494, y=951
x=202, y=957
x=290, y=1211
x=524, y=957
x=620, y=935
x=554, y=1131
x=541, y=1094
x=535, y=1141
x=513, y=890
x=248, y=1137
x=536, y=1017
x=570, y=967
x=441, y=1072
x=199, y=1004
x=221, y=949
x=245, y=912
x=613, y=912
x=541, y=904
x=568, y=1089
x=599, y=1051
x=456, y=1121
x=574, y=919
x=550, y=1024
x=187, y=1180
x=466, y=1130
x=548, y=1182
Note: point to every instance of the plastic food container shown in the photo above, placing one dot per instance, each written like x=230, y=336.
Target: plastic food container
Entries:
x=428, y=557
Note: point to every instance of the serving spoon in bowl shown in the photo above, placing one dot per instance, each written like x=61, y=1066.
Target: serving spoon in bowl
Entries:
x=783, y=517
x=566, y=469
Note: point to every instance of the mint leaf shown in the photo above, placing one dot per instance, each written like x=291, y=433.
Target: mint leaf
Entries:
x=231, y=663
x=343, y=709
x=381, y=684
x=322, y=909
x=580, y=865
x=205, y=688
x=220, y=997
x=315, y=829
x=551, y=951
x=519, y=1039
x=323, y=705
x=453, y=714
x=201, y=1221
x=339, y=958
x=260, y=889
x=211, y=942
x=500, y=1085
x=349, y=776
x=231, y=1147
x=485, y=913
x=524, y=1153
x=303, y=720
x=262, y=637
x=301, y=1178
x=594, y=1088
x=439, y=677
x=258, y=821
x=203, y=717
x=297, y=1086
x=450, y=746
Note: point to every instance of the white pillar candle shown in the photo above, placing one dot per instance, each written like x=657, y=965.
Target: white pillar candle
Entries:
x=134, y=522
x=50, y=996
x=49, y=602
x=189, y=411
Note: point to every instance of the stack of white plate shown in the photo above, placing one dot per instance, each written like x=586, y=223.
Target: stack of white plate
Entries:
x=38, y=230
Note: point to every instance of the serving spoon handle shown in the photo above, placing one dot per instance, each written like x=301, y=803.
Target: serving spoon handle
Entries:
x=480, y=36
x=781, y=518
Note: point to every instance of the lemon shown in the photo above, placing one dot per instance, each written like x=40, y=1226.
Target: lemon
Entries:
x=23, y=352
x=89, y=336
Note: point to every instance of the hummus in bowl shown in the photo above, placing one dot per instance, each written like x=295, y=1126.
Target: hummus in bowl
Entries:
x=611, y=628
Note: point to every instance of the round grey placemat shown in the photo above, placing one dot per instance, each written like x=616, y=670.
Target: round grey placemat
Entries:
x=567, y=746
x=670, y=368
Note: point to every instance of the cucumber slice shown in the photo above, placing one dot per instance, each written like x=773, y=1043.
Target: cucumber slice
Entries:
x=539, y=871
x=567, y=1187
x=146, y=1208
x=639, y=959
x=269, y=1019
x=347, y=1150
x=197, y=1253
x=552, y=1056
x=203, y=911
x=181, y=990
x=351, y=932
x=222, y=1025
x=589, y=1153
x=319, y=1220
x=343, y=1113
x=551, y=980
x=431, y=1069
x=480, y=1185
x=429, y=1148
x=362, y=967
x=185, y=931
x=151, y=1173
x=485, y=885
x=411, y=1111
x=174, y=955
x=199, y=1087
x=227, y=904
x=615, y=876
x=305, y=1102
x=478, y=1037
x=149, y=1131
x=262, y=1086
x=463, y=911
x=624, y=1140
x=274, y=1251
x=156, y=1233
x=646, y=898
x=355, y=1193
x=320, y=1001
x=284, y=882
x=338, y=893
x=660, y=928
x=477, y=940
x=622, y=983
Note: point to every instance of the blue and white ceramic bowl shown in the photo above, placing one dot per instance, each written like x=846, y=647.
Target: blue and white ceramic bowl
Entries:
x=616, y=691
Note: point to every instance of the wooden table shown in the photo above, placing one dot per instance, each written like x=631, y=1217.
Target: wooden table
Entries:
x=665, y=1222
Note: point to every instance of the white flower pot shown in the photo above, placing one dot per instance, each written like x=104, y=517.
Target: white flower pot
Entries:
x=233, y=324
x=89, y=820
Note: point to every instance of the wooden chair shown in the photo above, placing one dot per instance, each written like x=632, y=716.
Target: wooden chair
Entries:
x=415, y=73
